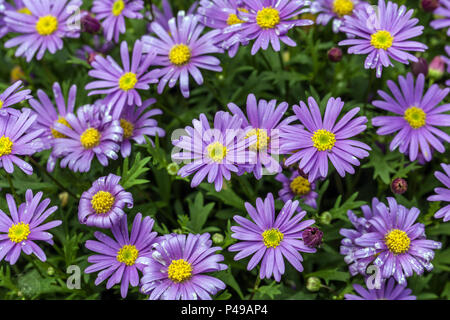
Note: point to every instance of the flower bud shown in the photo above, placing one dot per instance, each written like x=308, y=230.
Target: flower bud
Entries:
x=325, y=217
x=312, y=237
x=64, y=198
x=50, y=271
x=313, y=284
x=335, y=54
x=91, y=57
x=89, y=24
x=172, y=168
x=429, y=5
x=399, y=186
x=436, y=68
x=217, y=238
x=421, y=66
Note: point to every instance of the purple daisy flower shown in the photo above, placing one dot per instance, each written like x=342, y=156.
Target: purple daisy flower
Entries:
x=11, y=96
x=442, y=194
x=48, y=115
x=271, y=239
x=176, y=269
x=397, y=243
x=389, y=290
x=15, y=140
x=102, y=205
x=297, y=185
x=443, y=12
x=323, y=140
x=264, y=122
x=21, y=231
x=382, y=35
x=419, y=114
x=43, y=29
x=163, y=17
x=268, y=21
x=216, y=151
x=182, y=51
x=92, y=132
x=117, y=258
x=336, y=10
x=121, y=84
x=137, y=123
x=112, y=14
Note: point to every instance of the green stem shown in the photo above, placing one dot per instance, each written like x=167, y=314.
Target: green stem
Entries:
x=256, y=286
x=11, y=186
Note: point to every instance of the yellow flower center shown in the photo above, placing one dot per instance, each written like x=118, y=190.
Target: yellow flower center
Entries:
x=233, y=19
x=382, y=39
x=127, y=127
x=268, y=18
x=179, y=270
x=46, y=25
x=262, y=139
x=272, y=238
x=127, y=81
x=343, y=7
x=90, y=138
x=416, y=117
x=300, y=186
x=118, y=7
x=5, y=146
x=180, y=54
x=19, y=232
x=1, y=103
x=57, y=134
x=25, y=10
x=397, y=241
x=216, y=151
x=102, y=202
x=323, y=139
x=127, y=254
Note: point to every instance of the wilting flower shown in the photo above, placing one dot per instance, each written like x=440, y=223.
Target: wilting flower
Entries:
x=389, y=290
x=323, y=140
x=92, y=132
x=163, y=17
x=297, y=185
x=182, y=51
x=102, y=205
x=24, y=227
x=421, y=66
x=382, y=35
x=418, y=114
x=442, y=194
x=443, y=11
x=43, y=29
x=429, y=5
x=334, y=54
x=214, y=152
x=121, y=84
x=117, y=258
x=336, y=10
x=11, y=96
x=269, y=21
x=271, y=239
x=397, y=245
x=312, y=237
x=89, y=23
x=399, y=186
x=176, y=269
x=264, y=121
x=137, y=123
x=15, y=141
x=112, y=14
x=48, y=115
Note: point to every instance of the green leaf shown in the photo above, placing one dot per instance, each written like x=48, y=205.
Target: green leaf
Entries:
x=330, y=274
x=226, y=195
x=272, y=290
x=199, y=212
x=227, y=277
x=130, y=177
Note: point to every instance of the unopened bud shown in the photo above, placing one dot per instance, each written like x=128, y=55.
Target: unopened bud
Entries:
x=335, y=54
x=217, y=238
x=325, y=217
x=399, y=186
x=64, y=198
x=312, y=237
x=313, y=284
x=50, y=271
x=172, y=168
x=89, y=24
x=91, y=57
x=436, y=68
x=429, y=5
x=421, y=66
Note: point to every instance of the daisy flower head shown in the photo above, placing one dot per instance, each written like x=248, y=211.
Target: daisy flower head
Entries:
x=442, y=194
x=213, y=152
x=116, y=258
x=182, y=51
x=163, y=17
x=48, y=115
x=102, y=205
x=42, y=26
x=271, y=239
x=23, y=227
x=383, y=34
x=11, y=96
x=17, y=140
x=443, y=12
x=91, y=132
x=112, y=14
x=389, y=290
x=268, y=21
x=121, y=84
x=417, y=116
x=297, y=185
x=178, y=267
x=397, y=245
x=335, y=10
x=138, y=123
x=263, y=121
x=323, y=140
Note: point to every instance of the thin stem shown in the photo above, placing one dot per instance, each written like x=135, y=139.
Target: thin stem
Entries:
x=11, y=186
x=256, y=286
